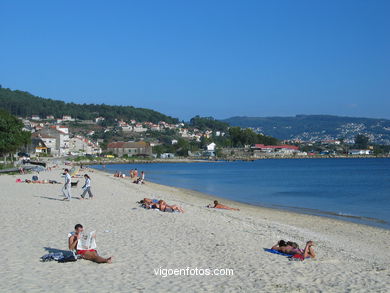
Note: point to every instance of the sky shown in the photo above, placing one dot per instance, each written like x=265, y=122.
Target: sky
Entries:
x=210, y=58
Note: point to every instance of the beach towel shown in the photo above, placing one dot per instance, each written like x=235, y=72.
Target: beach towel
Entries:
x=276, y=252
x=295, y=257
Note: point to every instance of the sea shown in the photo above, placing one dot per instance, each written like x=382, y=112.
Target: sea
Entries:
x=356, y=190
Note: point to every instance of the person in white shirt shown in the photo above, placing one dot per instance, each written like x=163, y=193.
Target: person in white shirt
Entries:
x=87, y=187
x=67, y=186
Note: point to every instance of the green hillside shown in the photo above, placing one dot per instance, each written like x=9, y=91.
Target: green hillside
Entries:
x=24, y=104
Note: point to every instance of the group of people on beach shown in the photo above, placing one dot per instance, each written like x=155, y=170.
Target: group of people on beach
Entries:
x=133, y=173
x=289, y=247
x=66, y=189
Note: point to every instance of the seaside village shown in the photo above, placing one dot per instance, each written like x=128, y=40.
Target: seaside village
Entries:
x=54, y=137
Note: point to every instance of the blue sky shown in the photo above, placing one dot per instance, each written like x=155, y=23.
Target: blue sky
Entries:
x=212, y=58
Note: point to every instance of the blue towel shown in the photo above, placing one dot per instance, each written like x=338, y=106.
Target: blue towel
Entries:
x=275, y=252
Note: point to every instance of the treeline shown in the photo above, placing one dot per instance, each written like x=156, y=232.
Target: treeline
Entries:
x=208, y=123
x=12, y=135
x=239, y=137
x=24, y=104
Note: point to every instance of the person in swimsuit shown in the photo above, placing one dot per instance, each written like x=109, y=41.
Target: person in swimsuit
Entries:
x=164, y=207
x=149, y=203
x=217, y=205
x=85, y=254
x=293, y=248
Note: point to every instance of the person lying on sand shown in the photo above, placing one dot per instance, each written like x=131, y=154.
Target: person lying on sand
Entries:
x=85, y=254
x=292, y=248
x=217, y=205
x=164, y=207
x=149, y=203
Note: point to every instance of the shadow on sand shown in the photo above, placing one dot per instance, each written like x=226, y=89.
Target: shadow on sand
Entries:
x=59, y=198
x=66, y=253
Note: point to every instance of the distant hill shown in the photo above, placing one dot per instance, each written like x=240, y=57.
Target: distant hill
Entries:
x=317, y=127
x=24, y=104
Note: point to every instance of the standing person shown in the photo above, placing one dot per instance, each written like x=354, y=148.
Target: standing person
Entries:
x=87, y=187
x=67, y=186
x=136, y=172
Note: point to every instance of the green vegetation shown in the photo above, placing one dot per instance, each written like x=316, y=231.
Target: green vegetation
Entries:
x=181, y=148
x=208, y=123
x=24, y=104
x=12, y=135
x=361, y=141
x=240, y=137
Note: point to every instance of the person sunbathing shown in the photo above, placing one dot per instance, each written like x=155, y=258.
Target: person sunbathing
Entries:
x=90, y=254
x=293, y=249
x=149, y=203
x=217, y=205
x=164, y=207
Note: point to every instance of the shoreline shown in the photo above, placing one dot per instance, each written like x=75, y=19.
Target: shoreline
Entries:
x=291, y=210
x=217, y=160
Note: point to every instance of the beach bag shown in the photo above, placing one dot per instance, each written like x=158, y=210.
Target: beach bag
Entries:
x=35, y=178
x=68, y=258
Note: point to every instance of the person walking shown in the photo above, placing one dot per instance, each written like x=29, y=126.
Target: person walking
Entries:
x=87, y=187
x=67, y=186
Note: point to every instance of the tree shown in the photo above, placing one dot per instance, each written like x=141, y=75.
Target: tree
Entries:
x=12, y=135
x=208, y=123
x=361, y=141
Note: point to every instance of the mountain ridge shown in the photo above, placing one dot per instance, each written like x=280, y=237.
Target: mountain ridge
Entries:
x=316, y=127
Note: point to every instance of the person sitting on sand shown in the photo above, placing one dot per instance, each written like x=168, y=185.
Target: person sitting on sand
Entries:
x=85, y=254
x=290, y=249
x=217, y=205
x=164, y=207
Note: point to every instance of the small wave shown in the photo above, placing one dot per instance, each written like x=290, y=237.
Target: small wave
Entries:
x=334, y=214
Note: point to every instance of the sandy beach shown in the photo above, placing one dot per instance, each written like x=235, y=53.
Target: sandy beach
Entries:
x=34, y=221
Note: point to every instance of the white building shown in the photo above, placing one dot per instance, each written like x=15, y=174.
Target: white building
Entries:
x=99, y=119
x=67, y=118
x=359, y=152
x=211, y=147
x=83, y=146
x=167, y=156
x=139, y=128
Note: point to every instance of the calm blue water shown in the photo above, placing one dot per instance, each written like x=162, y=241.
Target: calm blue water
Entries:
x=357, y=190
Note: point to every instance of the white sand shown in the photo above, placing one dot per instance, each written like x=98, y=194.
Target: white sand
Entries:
x=351, y=257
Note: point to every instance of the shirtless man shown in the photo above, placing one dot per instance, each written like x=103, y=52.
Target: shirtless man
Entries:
x=290, y=249
x=217, y=205
x=85, y=254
